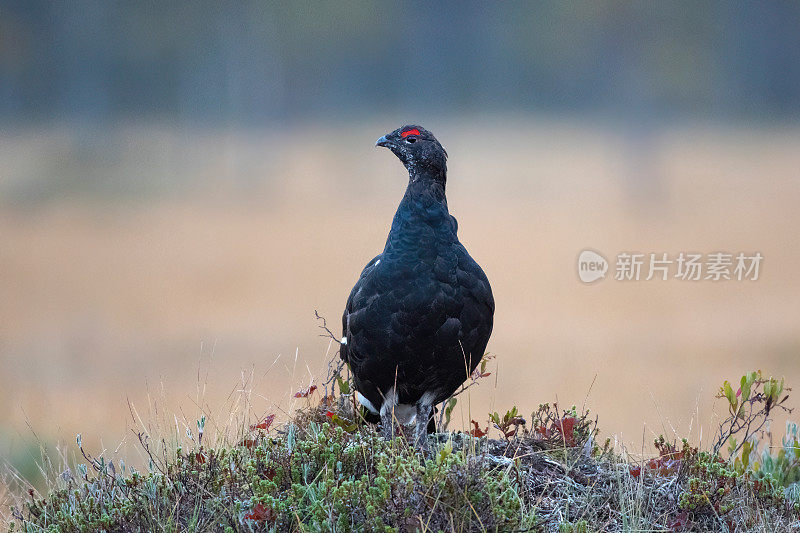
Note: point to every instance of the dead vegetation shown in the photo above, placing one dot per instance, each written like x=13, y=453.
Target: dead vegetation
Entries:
x=324, y=469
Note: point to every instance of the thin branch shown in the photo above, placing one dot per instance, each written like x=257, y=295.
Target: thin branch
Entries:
x=324, y=327
x=143, y=440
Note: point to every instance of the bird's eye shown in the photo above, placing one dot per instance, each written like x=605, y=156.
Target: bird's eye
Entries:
x=411, y=139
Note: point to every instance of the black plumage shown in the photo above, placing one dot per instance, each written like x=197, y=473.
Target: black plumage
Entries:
x=417, y=322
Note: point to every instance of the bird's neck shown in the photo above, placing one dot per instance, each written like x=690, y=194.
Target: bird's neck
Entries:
x=427, y=186
x=422, y=220
x=424, y=175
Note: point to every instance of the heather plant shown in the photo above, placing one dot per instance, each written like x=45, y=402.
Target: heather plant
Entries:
x=718, y=487
x=325, y=469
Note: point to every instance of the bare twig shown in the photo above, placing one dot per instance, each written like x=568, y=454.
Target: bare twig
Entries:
x=143, y=440
x=324, y=327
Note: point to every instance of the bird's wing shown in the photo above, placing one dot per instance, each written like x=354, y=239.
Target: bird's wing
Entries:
x=348, y=308
x=482, y=306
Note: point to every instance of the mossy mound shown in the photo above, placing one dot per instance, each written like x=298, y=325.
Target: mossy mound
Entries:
x=322, y=472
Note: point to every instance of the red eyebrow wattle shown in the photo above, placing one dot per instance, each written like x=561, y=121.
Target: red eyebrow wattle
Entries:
x=409, y=132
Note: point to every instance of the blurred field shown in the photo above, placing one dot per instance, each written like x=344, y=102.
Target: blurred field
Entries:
x=143, y=258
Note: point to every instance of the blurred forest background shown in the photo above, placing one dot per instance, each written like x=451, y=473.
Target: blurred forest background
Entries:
x=183, y=184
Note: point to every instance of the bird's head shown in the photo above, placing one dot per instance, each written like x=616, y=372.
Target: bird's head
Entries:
x=417, y=148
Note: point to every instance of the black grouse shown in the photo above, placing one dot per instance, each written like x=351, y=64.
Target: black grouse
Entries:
x=417, y=321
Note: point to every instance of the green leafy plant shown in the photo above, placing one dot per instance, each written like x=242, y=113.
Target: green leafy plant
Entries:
x=749, y=408
x=447, y=413
x=509, y=423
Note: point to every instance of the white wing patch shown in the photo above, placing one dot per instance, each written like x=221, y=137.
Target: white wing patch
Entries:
x=366, y=403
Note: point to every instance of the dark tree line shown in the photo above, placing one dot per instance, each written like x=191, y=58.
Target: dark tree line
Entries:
x=255, y=61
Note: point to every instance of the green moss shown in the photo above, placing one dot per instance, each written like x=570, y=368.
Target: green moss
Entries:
x=714, y=487
x=310, y=481
x=318, y=476
x=581, y=526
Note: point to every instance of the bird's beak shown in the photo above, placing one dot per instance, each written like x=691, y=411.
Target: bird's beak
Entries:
x=383, y=141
